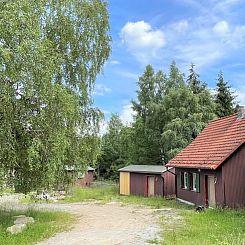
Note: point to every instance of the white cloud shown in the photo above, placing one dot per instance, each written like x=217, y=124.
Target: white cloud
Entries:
x=224, y=6
x=101, y=89
x=207, y=43
x=207, y=37
x=127, y=114
x=180, y=26
x=142, y=40
x=241, y=95
x=115, y=62
x=221, y=28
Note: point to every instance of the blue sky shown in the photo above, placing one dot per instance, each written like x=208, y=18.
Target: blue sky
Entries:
x=209, y=33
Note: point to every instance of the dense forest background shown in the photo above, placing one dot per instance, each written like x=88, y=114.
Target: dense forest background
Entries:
x=170, y=111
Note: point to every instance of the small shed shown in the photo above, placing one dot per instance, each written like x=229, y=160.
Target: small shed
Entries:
x=86, y=178
x=147, y=180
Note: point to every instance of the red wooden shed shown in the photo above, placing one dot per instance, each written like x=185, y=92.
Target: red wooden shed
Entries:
x=147, y=180
x=211, y=170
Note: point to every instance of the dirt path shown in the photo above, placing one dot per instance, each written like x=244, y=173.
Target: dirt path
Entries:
x=108, y=224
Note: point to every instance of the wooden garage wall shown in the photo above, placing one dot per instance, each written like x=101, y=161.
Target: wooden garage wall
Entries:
x=138, y=184
x=169, y=183
x=124, y=183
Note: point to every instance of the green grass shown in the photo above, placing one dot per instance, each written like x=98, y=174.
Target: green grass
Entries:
x=46, y=225
x=101, y=193
x=217, y=226
x=110, y=192
x=6, y=191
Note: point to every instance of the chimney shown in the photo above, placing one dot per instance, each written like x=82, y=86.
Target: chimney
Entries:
x=241, y=113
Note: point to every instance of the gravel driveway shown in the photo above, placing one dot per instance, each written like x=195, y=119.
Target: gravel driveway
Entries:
x=108, y=224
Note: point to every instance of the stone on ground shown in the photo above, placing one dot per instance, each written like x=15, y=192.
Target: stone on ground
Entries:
x=16, y=228
x=22, y=219
x=20, y=224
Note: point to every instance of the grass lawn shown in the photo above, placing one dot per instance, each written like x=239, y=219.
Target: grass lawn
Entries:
x=46, y=225
x=213, y=226
x=109, y=192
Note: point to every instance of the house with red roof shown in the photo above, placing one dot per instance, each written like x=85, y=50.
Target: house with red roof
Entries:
x=210, y=171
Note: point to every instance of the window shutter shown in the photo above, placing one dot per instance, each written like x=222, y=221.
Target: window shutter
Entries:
x=180, y=179
x=198, y=183
x=188, y=181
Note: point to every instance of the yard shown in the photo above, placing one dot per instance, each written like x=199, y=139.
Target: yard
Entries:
x=213, y=226
x=104, y=217
x=46, y=225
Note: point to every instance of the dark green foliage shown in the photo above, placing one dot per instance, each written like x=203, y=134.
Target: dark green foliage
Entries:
x=147, y=130
x=185, y=114
x=193, y=81
x=170, y=114
x=111, y=157
x=224, y=98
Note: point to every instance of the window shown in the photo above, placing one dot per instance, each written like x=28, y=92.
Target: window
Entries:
x=197, y=182
x=194, y=179
x=186, y=180
x=190, y=181
x=182, y=180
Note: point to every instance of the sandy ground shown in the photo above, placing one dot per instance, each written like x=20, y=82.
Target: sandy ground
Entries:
x=109, y=224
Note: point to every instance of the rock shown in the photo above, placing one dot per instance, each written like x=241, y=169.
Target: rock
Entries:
x=22, y=219
x=16, y=228
x=19, y=216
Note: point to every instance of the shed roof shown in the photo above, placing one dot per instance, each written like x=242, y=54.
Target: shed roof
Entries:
x=73, y=168
x=91, y=169
x=219, y=140
x=157, y=169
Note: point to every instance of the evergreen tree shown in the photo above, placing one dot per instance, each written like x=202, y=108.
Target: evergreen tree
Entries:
x=194, y=82
x=186, y=114
x=224, y=97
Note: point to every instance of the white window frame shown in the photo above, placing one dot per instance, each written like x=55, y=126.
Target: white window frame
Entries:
x=185, y=180
x=194, y=176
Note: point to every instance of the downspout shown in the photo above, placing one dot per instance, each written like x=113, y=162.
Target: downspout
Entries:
x=171, y=172
x=224, y=195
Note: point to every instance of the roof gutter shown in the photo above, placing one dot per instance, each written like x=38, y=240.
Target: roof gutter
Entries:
x=170, y=171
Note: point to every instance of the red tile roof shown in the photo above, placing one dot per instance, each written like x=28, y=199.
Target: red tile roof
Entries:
x=214, y=145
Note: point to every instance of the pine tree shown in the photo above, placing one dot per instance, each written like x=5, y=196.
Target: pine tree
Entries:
x=224, y=97
x=193, y=81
